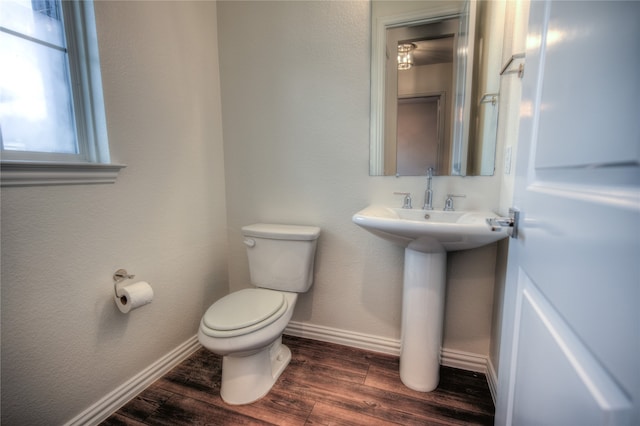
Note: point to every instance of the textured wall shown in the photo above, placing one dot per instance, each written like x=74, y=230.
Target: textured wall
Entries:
x=64, y=342
x=295, y=93
x=295, y=97
x=515, y=32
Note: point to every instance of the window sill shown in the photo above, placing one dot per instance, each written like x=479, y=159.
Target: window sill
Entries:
x=37, y=173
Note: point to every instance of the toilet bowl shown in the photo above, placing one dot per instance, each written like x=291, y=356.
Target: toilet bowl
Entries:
x=253, y=355
x=246, y=326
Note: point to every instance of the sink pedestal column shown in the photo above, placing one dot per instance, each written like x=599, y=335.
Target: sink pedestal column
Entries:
x=425, y=266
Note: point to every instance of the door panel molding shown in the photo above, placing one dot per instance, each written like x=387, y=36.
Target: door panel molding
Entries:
x=582, y=391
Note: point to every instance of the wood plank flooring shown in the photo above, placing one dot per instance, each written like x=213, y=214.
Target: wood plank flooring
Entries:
x=325, y=384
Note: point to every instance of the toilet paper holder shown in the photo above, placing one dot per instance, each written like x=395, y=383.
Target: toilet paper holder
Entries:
x=119, y=276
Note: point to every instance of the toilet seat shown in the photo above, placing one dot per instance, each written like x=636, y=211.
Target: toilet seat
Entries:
x=242, y=312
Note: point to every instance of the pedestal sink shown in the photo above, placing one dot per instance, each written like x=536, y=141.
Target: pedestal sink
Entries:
x=427, y=235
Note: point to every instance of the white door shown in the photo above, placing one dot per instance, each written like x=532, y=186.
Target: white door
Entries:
x=570, y=348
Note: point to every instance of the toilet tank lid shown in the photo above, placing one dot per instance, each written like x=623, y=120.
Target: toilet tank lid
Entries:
x=281, y=232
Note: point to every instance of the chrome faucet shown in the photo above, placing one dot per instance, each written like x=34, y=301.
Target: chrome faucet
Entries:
x=428, y=194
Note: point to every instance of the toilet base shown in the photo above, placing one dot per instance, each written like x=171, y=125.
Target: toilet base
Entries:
x=249, y=377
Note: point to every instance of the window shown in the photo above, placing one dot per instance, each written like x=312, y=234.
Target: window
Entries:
x=52, y=120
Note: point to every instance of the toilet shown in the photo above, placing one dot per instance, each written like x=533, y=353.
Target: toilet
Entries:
x=246, y=326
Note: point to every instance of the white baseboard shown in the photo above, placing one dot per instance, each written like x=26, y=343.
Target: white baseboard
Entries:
x=492, y=380
x=344, y=337
x=463, y=360
x=110, y=403
x=449, y=357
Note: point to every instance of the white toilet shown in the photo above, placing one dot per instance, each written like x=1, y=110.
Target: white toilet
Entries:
x=246, y=326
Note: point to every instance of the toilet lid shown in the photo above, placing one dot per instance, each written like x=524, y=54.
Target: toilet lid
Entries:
x=244, y=310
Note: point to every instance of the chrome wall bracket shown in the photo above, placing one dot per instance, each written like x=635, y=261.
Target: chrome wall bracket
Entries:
x=519, y=70
x=119, y=276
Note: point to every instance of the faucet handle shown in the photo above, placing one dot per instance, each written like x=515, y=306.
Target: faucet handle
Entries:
x=448, y=203
x=406, y=202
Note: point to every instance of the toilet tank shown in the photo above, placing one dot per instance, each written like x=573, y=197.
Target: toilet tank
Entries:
x=281, y=257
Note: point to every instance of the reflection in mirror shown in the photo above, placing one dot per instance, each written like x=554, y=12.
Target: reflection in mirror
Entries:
x=420, y=134
x=429, y=91
x=419, y=138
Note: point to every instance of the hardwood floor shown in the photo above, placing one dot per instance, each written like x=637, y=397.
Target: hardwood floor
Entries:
x=325, y=384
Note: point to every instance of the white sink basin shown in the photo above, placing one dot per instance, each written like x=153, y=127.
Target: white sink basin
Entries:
x=454, y=230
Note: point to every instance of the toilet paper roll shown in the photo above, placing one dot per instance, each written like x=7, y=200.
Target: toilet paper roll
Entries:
x=133, y=296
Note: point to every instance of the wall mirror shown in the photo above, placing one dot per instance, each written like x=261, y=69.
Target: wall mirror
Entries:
x=434, y=87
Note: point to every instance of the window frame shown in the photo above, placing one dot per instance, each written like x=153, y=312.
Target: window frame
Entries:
x=92, y=164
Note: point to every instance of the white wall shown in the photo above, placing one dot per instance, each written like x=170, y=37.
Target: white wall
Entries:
x=64, y=342
x=515, y=31
x=295, y=108
x=516, y=23
x=295, y=96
